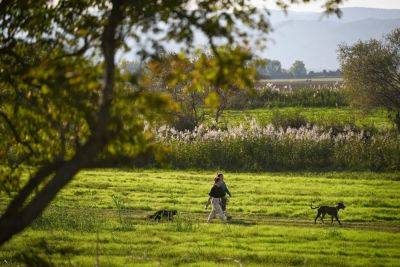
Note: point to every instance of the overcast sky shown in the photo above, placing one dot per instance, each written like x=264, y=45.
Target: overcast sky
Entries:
x=316, y=5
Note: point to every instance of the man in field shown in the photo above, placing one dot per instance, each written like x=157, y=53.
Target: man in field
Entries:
x=216, y=194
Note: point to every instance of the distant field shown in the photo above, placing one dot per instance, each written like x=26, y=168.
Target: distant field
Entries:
x=100, y=219
x=374, y=118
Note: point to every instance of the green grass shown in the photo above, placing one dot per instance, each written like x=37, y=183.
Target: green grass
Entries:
x=324, y=116
x=101, y=216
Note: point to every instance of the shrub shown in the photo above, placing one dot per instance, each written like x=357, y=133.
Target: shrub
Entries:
x=293, y=119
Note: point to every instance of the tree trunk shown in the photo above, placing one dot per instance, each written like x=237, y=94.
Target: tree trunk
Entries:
x=219, y=111
x=397, y=121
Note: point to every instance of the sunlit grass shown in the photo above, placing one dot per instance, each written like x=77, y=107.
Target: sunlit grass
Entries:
x=272, y=222
x=322, y=116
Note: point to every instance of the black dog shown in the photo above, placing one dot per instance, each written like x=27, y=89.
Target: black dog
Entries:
x=163, y=214
x=333, y=211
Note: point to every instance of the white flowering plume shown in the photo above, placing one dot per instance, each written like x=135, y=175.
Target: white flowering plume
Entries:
x=253, y=131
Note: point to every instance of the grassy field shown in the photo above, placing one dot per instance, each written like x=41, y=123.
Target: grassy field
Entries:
x=100, y=219
x=374, y=118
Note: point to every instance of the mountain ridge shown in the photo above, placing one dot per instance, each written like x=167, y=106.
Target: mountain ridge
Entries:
x=317, y=40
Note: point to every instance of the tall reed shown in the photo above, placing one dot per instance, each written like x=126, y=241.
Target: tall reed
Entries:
x=259, y=148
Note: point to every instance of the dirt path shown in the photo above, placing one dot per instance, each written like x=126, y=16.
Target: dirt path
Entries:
x=257, y=219
x=247, y=219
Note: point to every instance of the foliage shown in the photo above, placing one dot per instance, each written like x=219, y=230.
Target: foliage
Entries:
x=120, y=205
x=371, y=73
x=194, y=82
x=271, y=69
x=158, y=75
x=298, y=69
x=324, y=74
x=289, y=120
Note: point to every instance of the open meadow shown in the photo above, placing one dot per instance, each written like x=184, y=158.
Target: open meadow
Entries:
x=321, y=116
x=100, y=219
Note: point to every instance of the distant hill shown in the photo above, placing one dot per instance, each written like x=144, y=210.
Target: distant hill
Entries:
x=314, y=39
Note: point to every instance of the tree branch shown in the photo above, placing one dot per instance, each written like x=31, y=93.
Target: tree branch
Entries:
x=78, y=52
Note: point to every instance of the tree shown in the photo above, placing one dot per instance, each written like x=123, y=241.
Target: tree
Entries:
x=196, y=87
x=274, y=67
x=298, y=69
x=371, y=74
x=160, y=76
x=271, y=69
x=65, y=103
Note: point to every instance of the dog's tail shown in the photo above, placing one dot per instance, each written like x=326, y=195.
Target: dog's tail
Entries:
x=313, y=207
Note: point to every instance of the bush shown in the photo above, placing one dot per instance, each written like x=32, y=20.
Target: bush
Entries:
x=293, y=119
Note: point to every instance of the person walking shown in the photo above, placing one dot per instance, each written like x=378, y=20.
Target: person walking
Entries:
x=215, y=196
x=224, y=199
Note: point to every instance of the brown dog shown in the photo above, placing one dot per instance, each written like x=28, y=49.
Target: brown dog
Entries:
x=333, y=211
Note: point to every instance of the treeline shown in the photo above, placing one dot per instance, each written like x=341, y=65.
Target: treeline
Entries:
x=272, y=69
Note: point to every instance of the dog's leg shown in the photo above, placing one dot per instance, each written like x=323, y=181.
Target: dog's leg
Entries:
x=318, y=214
x=322, y=217
x=331, y=219
x=337, y=219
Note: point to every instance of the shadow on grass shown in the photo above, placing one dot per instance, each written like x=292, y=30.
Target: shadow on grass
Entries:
x=241, y=222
